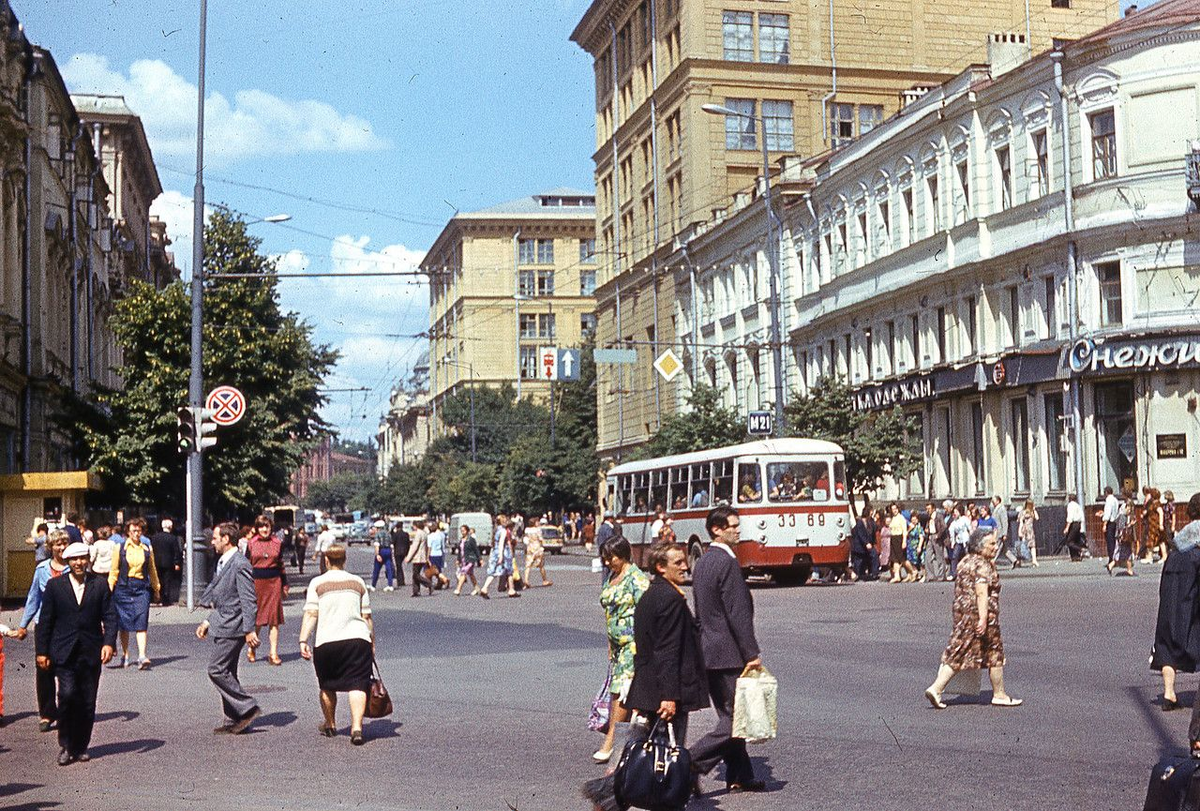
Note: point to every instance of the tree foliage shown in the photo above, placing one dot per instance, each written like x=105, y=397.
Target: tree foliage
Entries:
x=341, y=493
x=703, y=425
x=250, y=343
x=877, y=444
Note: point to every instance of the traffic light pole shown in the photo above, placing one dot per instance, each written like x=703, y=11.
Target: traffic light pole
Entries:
x=195, y=485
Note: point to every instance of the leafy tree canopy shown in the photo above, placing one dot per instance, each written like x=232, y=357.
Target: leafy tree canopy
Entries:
x=705, y=424
x=250, y=343
x=877, y=444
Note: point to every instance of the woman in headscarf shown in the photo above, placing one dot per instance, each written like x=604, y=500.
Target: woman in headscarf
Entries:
x=1176, y=641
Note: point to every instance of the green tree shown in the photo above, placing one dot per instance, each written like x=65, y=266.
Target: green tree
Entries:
x=250, y=343
x=406, y=489
x=576, y=437
x=703, y=425
x=345, y=491
x=877, y=444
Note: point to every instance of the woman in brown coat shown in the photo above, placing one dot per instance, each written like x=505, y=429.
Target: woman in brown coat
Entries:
x=975, y=641
x=265, y=552
x=1155, y=542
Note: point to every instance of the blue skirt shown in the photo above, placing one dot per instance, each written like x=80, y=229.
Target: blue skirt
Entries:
x=132, y=599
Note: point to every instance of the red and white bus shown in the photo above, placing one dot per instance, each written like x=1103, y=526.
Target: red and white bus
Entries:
x=790, y=494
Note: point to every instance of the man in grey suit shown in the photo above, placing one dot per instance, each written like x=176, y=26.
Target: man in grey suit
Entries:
x=725, y=611
x=231, y=623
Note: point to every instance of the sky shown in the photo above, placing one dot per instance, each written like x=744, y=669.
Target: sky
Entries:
x=370, y=123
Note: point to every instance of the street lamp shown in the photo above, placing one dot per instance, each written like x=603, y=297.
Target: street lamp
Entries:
x=773, y=224
x=471, y=371
x=272, y=219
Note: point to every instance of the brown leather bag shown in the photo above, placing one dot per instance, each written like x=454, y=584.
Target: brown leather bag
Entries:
x=379, y=703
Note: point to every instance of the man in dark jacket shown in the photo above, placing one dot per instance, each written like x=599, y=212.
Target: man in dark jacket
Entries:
x=725, y=611
x=75, y=637
x=400, y=546
x=168, y=559
x=864, y=558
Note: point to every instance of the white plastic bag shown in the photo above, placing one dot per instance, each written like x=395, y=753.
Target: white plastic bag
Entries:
x=754, y=705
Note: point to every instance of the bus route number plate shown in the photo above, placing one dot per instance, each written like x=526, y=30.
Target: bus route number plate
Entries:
x=760, y=423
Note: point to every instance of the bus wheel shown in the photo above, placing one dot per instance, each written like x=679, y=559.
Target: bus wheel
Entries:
x=795, y=576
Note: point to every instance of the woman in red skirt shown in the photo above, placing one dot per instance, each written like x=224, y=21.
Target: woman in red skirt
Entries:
x=265, y=552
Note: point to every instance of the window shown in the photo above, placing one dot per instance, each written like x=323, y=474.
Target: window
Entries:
x=1104, y=144
x=1004, y=176
x=972, y=327
x=941, y=334
x=723, y=482
x=1057, y=469
x=587, y=324
x=773, y=38
x=977, y=466
x=1060, y=3
x=737, y=29
x=915, y=329
x=885, y=223
x=658, y=490
x=679, y=488
x=891, y=350
x=587, y=282
x=526, y=283
x=778, y=125
x=863, y=251
x=1108, y=274
x=749, y=478
x=535, y=251
x=587, y=251
x=870, y=116
x=528, y=326
x=545, y=326
x=1051, y=307
x=868, y=352
x=935, y=213
x=545, y=282
x=529, y=363
x=964, y=190
x=700, y=485
x=1019, y=426
x=909, y=224
x=797, y=481
x=841, y=124
x=1014, y=316
x=739, y=129
x=1039, y=167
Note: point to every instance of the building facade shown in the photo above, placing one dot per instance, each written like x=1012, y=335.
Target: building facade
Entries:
x=805, y=77
x=504, y=282
x=1011, y=260
x=58, y=264
x=322, y=464
x=404, y=432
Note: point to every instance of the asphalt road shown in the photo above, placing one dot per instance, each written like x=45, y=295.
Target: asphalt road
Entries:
x=492, y=699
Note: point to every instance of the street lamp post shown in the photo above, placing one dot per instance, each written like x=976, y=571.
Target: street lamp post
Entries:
x=773, y=237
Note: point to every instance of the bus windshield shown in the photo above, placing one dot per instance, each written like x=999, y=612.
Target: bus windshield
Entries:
x=798, y=481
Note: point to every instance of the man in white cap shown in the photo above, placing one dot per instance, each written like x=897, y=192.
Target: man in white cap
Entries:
x=75, y=638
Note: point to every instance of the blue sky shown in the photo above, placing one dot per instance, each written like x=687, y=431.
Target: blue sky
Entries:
x=411, y=110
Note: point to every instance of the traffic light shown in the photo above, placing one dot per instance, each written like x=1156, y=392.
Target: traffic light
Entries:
x=206, y=429
x=187, y=429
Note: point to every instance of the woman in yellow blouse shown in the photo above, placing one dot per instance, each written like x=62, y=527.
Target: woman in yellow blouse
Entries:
x=132, y=579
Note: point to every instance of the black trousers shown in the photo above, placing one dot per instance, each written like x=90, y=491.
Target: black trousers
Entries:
x=171, y=581
x=1073, y=540
x=719, y=744
x=1110, y=538
x=865, y=564
x=420, y=579
x=301, y=555
x=78, y=682
x=46, y=697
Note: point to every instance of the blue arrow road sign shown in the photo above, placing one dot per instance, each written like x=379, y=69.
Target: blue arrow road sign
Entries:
x=568, y=365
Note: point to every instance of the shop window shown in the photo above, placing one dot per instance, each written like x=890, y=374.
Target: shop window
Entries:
x=1056, y=453
x=977, y=466
x=1019, y=427
x=916, y=480
x=1108, y=274
x=1116, y=438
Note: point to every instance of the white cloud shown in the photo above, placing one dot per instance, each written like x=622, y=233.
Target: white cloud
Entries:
x=255, y=123
x=175, y=209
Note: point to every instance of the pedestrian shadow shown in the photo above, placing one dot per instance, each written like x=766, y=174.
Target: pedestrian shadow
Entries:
x=40, y=805
x=9, y=789
x=12, y=719
x=123, y=715
x=382, y=728
x=140, y=746
x=166, y=660
x=291, y=657
x=1167, y=744
x=277, y=720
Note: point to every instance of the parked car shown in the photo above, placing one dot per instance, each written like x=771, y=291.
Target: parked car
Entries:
x=552, y=539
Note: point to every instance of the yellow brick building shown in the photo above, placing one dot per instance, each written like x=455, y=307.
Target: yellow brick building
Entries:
x=503, y=282
x=814, y=75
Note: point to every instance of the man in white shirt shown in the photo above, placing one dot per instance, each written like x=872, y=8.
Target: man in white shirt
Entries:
x=657, y=527
x=1108, y=519
x=960, y=533
x=325, y=539
x=1073, y=530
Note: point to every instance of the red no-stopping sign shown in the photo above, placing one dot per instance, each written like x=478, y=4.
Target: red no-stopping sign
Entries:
x=227, y=404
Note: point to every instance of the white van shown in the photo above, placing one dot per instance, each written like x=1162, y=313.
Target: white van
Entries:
x=480, y=522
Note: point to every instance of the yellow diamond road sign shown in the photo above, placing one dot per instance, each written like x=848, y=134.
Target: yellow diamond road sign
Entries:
x=668, y=365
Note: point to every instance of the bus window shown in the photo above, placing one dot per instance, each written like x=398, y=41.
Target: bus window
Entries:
x=679, y=488
x=749, y=483
x=612, y=501
x=840, y=490
x=658, y=490
x=723, y=482
x=700, y=485
x=621, y=507
x=798, y=481
x=641, y=488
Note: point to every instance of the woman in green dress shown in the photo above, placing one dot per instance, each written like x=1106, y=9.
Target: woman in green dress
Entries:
x=626, y=585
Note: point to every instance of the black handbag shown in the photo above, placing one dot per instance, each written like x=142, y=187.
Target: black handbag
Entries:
x=654, y=773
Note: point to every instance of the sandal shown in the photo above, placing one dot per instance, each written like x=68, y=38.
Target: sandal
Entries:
x=274, y=659
x=328, y=732
x=250, y=657
x=935, y=699
x=356, y=737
